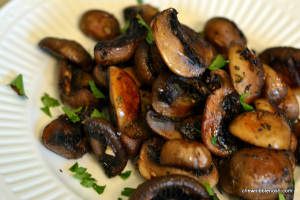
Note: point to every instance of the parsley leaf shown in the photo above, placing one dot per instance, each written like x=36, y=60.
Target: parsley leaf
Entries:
x=127, y=191
x=119, y=100
x=124, y=29
x=213, y=140
x=149, y=37
x=99, y=189
x=281, y=197
x=140, y=2
x=71, y=115
x=80, y=170
x=245, y=106
x=95, y=90
x=74, y=167
x=46, y=110
x=240, y=78
x=214, y=198
x=96, y=113
x=119, y=199
x=208, y=188
x=78, y=109
x=49, y=101
x=218, y=63
x=125, y=175
x=17, y=86
x=87, y=183
x=198, y=131
x=201, y=34
x=84, y=175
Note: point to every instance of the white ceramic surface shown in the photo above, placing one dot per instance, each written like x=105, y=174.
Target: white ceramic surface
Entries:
x=27, y=169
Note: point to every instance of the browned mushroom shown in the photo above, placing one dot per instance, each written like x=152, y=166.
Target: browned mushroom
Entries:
x=124, y=97
x=290, y=105
x=222, y=106
x=175, y=96
x=220, y=32
x=285, y=61
x=259, y=168
x=187, y=154
x=218, y=78
x=69, y=50
x=158, y=63
x=101, y=76
x=138, y=129
x=175, y=47
x=133, y=73
x=170, y=187
x=66, y=138
x=142, y=64
x=122, y=48
x=132, y=146
x=73, y=85
x=145, y=101
x=150, y=167
x=246, y=71
x=224, y=176
x=145, y=11
x=191, y=128
x=102, y=135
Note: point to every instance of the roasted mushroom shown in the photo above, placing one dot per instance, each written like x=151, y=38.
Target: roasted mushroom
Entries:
x=175, y=47
x=158, y=63
x=142, y=64
x=191, y=128
x=145, y=101
x=170, y=187
x=145, y=11
x=122, y=48
x=220, y=32
x=246, y=71
x=138, y=129
x=259, y=168
x=69, y=50
x=222, y=106
x=73, y=85
x=285, y=61
x=175, y=96
x=218, y=78
x=262, y=128
x=102, y=136
x=99, y=25
x=290, y=105
x=133, y=73
x=124, y=97
x=66, y=138
x=101, y=76
x=132, y=146
x=150, y=167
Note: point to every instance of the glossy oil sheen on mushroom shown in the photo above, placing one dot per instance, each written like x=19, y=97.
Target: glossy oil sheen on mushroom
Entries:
x=175, y=47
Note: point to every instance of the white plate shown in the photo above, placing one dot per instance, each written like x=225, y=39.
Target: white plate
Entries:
x=27, y=169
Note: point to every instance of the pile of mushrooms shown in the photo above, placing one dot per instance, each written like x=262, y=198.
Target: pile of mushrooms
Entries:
x=186, y=122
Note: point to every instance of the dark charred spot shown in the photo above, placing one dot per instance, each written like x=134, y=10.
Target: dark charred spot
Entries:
x=104, y=54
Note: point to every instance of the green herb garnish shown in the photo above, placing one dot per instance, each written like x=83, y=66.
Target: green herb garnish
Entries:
x=96, y=113
x=240, y=78
x=119, y=100
x=245, y=106
x=99, y=189
x=71, y=115
x=218, y=63
x=201, y=34
x=127, y=191
x=280, y=196
x=17, y=85
x=213, y=140
x=74, y=167
x=95, y=90
x=48, y=102
x=149, y=37
x=124, y=29
x=140, y=2
x=78, y=110
x=125, y=175
x=46, y=110
x=208, y=188
x=198, y=131
x=119, y=199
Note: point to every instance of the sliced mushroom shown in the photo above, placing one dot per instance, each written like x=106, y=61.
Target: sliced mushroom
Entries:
x=264, y=104
x=187, y=154
x=218, y=78
x=102, y=134
x=158, y=63
x=145, y=101
x=222, y=106
x=101, y=76
x=164, y=126
x=175, y=47
x=246, y=71
x=69, y=50
x=99, y=25
x=73, y=86
x=175, y=96
x=133, y=73
x=220, y=32
x=149, y=166
x=145, y=11
x=274, y=88
x=262, y=128
x=203, y=47
x=290, y=105
x=124, y=97
x=294, y=142
x=122, y=48
x=142, y=64
x=224, y=176
x=285, y=61
x=138, y=129
x=132, y=146
x=259, y=168
x=191, y=128
x=66, y=138
x=170, y=187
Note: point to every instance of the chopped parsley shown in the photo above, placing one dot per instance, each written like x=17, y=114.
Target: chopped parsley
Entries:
x=97, y=93
x=86, y=178
x=213, y=140
x=140, y=2
x=48, y=102
x=245, y=106
x=280, y=196
x=127, y=191
x=240, y=78
x=17, y=86
x=119, y=100
x=71, y=115
x=201, y=34
x=149, y=37
x=218, y=63
x=124, y=29
x=96, y=113
x=78, y=109
x=125, y=175
x=208, y=188
x=198, y=131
